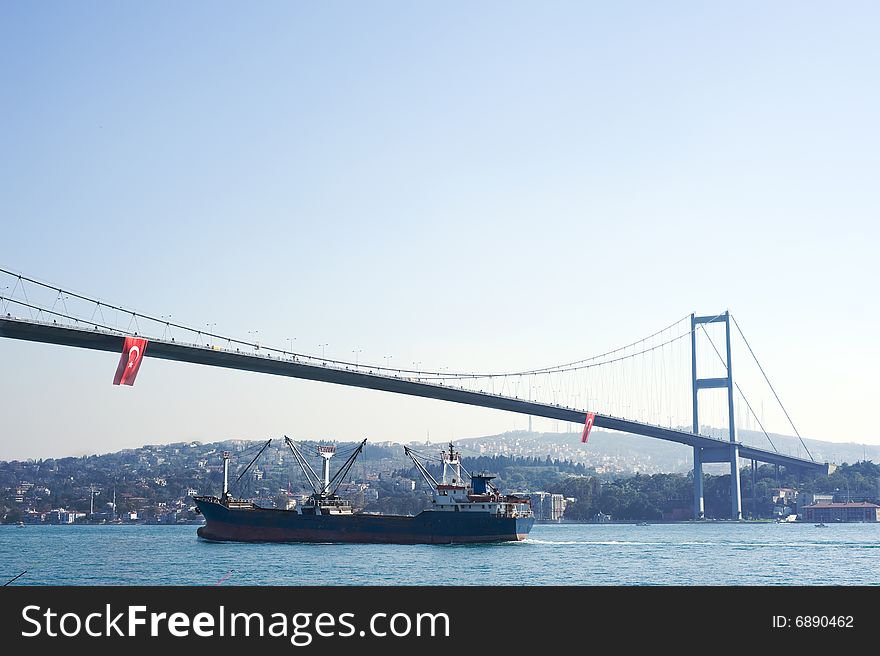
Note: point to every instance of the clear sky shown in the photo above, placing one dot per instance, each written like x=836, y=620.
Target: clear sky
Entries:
x=487, y=185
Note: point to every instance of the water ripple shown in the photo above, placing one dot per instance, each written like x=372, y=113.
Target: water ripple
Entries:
x=716, y=553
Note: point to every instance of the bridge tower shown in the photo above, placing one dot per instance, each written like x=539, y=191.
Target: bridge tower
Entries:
x=715, y=454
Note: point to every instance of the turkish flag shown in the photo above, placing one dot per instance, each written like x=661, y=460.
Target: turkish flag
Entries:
x=588, y=424
x=130, y=362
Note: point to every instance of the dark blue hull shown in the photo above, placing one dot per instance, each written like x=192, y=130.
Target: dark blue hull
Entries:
x=428, y=527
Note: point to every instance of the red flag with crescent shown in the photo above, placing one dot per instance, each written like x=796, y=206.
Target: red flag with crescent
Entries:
x=130, y=362
x=588, y=424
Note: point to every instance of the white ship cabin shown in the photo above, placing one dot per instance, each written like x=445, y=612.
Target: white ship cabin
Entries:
x=452, y=494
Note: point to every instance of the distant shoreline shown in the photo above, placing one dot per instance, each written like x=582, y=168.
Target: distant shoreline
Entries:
x=619, y=522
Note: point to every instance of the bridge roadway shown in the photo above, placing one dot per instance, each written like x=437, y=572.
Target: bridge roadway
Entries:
x=714, y=450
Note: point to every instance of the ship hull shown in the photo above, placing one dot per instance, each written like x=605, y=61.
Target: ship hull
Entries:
x=428, y=527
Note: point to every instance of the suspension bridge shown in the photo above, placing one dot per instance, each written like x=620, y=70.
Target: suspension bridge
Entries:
x=640, y=387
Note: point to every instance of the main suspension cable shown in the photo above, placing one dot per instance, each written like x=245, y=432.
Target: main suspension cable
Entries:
x=772, y=389
x=748, y=405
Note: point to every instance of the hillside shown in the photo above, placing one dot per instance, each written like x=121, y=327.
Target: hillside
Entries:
x=156, y=482
x=619, y=453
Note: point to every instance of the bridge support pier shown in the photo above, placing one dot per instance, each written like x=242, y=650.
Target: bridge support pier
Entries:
x=754, y=488
x=699, y=506
x=731, y=454
x=735, y=484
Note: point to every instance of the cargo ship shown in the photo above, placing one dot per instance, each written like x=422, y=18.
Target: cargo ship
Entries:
x=463, y=510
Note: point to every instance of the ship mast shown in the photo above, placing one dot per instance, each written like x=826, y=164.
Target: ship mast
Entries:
x=322, y=485
x=225, y=457
x=452, y=460
x=326, y=452
x=451, y=473
x=422, y=470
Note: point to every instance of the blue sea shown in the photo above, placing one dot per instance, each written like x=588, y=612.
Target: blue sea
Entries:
x=710, y=553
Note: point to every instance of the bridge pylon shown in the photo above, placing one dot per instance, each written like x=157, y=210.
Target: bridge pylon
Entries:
x=729, y=453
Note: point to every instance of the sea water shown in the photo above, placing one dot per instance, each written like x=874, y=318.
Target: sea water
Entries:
x=707, y=553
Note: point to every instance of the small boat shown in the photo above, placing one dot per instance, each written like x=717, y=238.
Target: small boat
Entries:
x=821, y=525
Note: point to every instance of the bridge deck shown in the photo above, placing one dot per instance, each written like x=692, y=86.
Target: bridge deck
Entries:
x=100, y=340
